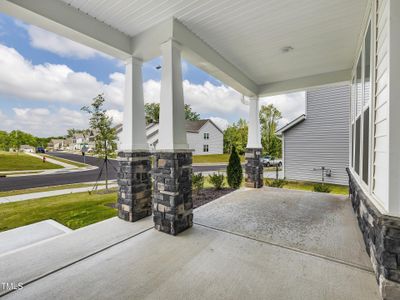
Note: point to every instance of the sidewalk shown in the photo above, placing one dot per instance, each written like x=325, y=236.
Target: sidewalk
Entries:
x=37, y=195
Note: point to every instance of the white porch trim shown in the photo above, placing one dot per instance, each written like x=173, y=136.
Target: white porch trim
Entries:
x=254, y=136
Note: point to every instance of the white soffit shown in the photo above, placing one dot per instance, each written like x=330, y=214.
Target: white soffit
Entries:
x=251, y=33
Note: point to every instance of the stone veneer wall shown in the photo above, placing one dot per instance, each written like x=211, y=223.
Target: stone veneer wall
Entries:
x=134, y=185
x=172, y=191
x=254, y=168
x=382, y=240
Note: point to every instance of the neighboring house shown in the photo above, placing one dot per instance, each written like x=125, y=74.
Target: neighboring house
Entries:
x=27, y=149
x=320, y=138
x=203, y=136
x=57, y=144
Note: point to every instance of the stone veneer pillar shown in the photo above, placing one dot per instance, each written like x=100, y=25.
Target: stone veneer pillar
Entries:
x=381, y=235
x=253, y=168
x=172, y=191
x=134, y=185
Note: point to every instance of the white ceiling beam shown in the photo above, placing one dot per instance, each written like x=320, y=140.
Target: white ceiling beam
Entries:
x=146, y=46
x=58, y=17
x=305, y=83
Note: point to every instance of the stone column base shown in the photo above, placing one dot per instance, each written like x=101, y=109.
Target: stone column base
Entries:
x=254, y=168
x=134, y=185
x=172, y=191
x=381, y=235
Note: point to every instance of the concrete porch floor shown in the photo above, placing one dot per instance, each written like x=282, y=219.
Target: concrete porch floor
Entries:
x=254, y=244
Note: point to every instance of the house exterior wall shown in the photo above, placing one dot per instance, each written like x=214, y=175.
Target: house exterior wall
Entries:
x=195, y=140
x=321, y=139
x=215, y=142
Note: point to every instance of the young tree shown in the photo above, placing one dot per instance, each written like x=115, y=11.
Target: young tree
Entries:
x=152, y=113
x=191, y=115
x=236, y=134
x=269, y=117
x=105, y=140
x=234, y=170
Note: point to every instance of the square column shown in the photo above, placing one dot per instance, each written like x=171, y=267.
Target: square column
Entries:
x=254, y=168
x=172, y=173
x=134, y=180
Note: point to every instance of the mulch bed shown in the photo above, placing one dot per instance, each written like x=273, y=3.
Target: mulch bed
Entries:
x=208, y=195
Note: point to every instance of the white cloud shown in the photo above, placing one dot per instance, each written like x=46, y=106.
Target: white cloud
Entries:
x=56, y=83
x=220, y=122
x=49, y=41
x=290, y=105
x=116, y=115
x=44, y=122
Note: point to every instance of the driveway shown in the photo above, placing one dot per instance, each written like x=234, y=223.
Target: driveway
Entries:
x=250, y=244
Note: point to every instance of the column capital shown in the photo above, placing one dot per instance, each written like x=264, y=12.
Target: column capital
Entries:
x=133, y=60
x=253, y=98
x=171, y=43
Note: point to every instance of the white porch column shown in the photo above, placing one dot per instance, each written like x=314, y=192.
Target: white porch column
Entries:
x=254, y=167
x=134, y=126
x=134, y=179
x=172, y=171
x=172, y=113
x=254, y=136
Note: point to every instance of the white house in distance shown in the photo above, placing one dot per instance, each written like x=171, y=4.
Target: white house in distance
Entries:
x=319, y=138
x=203, y=136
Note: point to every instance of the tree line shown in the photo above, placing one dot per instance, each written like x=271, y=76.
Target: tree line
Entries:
x=16, y=138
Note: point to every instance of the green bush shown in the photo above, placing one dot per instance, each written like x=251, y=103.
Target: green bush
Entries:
x=234, y=170
x=198, y=182
x=277, y=183
x=321, y=188
x=217, y=180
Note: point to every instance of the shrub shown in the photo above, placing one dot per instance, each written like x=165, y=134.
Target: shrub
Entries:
x=198, y=182
x=277, y=183
x=234, y=169
x=321, y=188
x=217, y=180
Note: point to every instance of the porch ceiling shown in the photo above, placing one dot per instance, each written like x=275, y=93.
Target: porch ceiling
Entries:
x=249, y=35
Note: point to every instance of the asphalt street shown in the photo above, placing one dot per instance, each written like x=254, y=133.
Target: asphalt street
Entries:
x=25, y=182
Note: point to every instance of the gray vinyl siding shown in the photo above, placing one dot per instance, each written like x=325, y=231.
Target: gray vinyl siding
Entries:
x=322, y=139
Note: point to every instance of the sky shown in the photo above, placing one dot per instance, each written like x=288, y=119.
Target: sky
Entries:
x=45, y=79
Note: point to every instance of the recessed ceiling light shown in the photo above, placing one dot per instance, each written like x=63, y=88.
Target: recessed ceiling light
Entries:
x=287, y=49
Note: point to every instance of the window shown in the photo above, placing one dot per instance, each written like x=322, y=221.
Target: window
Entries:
x=205, y=148
x=365, y=167
x=206, y=136
x=360, y=111
x=357, y=146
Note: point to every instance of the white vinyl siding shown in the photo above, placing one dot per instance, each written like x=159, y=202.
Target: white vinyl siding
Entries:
x=381, y=142
x=321, y=139
x=215, y=140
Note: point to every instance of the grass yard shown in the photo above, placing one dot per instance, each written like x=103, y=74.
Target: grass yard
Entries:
x=67, y=161
x=213, y=158
x=309, y=186
x=72, y=210
x=11, y=161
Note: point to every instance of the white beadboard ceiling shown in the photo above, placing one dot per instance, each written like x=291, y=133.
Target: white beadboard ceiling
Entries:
x=251, y=33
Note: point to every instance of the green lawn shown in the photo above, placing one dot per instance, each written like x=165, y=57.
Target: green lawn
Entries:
x=309, y=186
x=46, y=189
x=213, y=158
x=72, y=210
x=11, y=161
x=67, y=161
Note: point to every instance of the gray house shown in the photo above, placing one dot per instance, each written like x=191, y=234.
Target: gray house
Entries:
x=319, y=138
